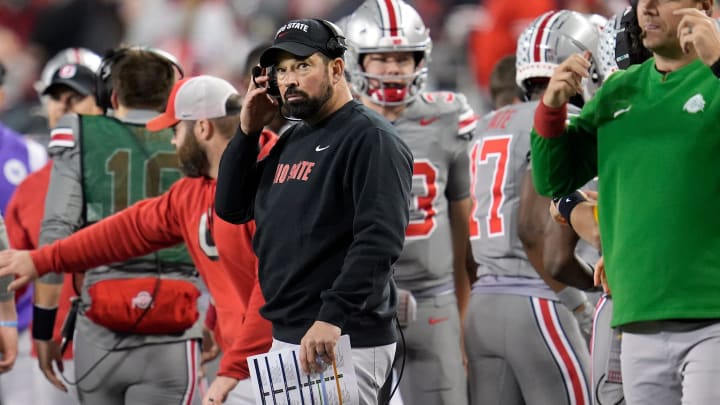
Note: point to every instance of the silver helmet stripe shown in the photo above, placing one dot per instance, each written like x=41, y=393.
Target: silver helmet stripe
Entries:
x=380, y=26
x=546, y=34
x=537, y=37
x=542, y=37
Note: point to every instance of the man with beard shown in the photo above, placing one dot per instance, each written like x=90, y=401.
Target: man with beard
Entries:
x=650, y=130
x=221, y=251
x=330, y=202
x=101, y=165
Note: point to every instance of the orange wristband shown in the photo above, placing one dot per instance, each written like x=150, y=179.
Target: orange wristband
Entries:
x=595, y=213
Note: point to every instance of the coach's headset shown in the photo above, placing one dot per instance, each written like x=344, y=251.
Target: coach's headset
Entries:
x=103, y=88
x=335, y=47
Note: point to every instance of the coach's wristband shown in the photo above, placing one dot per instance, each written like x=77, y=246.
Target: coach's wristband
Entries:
x=567, y=203
x=9, y=324
x=43, y=322
x=715, y=67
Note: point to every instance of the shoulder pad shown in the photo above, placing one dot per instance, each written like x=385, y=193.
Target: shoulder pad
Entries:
x=440, y=97
x=467, y=120
x=448, y=102
x=65, y=133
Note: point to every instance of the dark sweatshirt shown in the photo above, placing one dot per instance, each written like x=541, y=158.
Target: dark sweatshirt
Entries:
x=331, y=206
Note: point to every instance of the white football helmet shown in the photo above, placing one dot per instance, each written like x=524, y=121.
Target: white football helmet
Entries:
x=552, y=38
x=79, y=56
x=607, y=62
x=379, y=26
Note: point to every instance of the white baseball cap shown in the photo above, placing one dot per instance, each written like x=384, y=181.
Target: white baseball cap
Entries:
x=194, y=98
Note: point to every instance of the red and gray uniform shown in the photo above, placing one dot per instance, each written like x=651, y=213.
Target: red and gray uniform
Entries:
x=64, y=214
x=438, y=128
x=514, y=326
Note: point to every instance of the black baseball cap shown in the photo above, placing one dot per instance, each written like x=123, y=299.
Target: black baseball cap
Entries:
x=76, y=76
x=301, y=38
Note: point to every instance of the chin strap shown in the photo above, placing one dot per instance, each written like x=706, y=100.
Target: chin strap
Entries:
x=388, y=94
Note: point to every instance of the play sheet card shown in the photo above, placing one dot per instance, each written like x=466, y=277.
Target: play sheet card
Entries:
x=278, y=379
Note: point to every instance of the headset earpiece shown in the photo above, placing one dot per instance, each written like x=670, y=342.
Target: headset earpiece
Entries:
x=103, y=87
x=336, y=44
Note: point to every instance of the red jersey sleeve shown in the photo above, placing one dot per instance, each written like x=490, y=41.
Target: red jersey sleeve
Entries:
x=550, y=122
x=255, y=339
x=146, y=226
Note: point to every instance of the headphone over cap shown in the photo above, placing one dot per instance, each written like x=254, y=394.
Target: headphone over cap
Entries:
x=303, y=38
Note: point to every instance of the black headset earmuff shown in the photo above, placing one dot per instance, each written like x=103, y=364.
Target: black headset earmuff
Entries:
x=629, y=49
x=336, y=44
x=103, y=88
x=103, y=85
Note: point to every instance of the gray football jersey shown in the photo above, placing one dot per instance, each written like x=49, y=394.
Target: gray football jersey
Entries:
x=499, y=158
x=437, y=127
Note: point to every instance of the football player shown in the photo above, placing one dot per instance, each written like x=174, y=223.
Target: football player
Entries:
x=389, y=51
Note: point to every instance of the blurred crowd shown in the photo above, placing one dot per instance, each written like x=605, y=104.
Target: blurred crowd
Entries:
x=214, y=37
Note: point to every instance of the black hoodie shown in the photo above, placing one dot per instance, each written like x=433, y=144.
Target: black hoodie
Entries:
x=331, y=206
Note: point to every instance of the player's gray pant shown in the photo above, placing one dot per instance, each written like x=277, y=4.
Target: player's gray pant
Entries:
x=372, y=367
x=525, y=350
x=147, y=375
x=433, y=373
x=606, y=386
x=671, y=363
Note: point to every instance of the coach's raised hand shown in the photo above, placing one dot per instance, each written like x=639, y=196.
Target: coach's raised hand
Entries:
x=19, y=264
x=566, y=80
x=258, y=107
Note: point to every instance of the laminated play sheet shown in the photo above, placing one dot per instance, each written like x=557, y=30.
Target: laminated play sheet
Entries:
x=278, y=379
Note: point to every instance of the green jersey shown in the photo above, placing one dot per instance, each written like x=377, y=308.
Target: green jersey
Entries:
x=124, y=163
x=653, y=139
